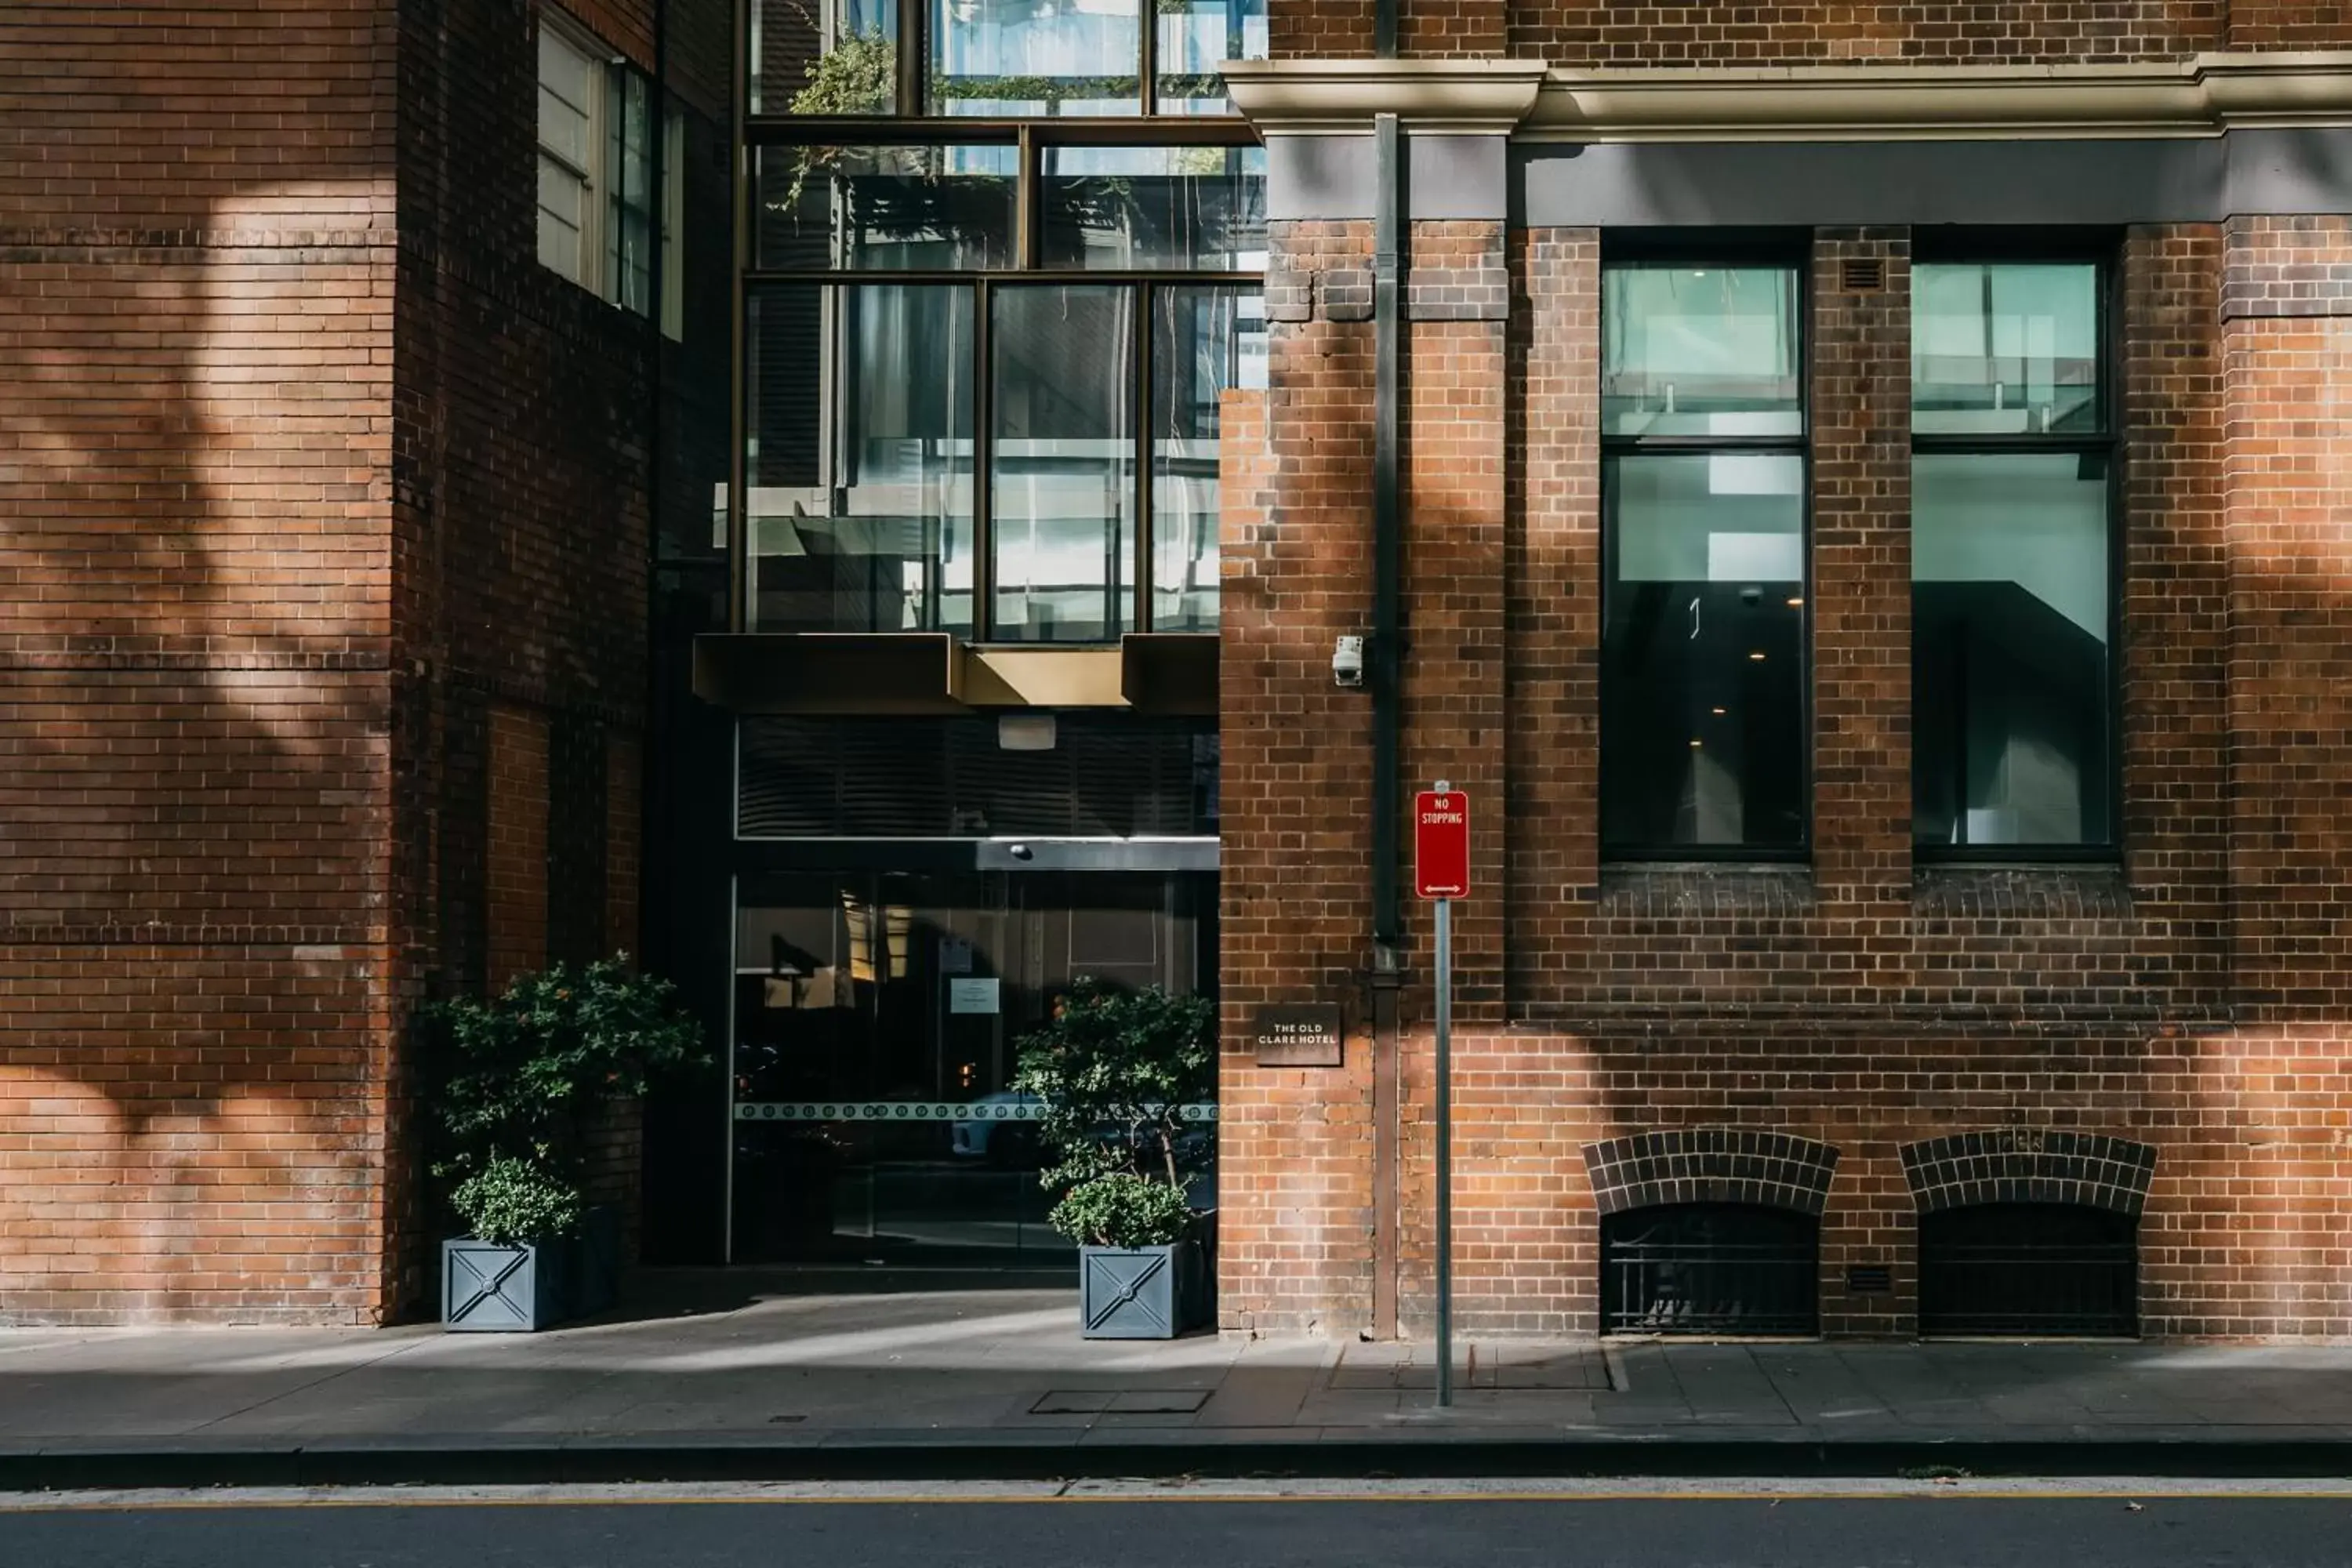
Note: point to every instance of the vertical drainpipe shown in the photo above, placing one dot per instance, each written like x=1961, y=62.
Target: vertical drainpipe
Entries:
x=1387, y=665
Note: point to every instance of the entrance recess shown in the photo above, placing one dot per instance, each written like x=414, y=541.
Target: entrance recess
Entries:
x=879, y=1017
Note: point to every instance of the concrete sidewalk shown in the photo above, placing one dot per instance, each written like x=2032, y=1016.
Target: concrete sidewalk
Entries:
x=720, y=1375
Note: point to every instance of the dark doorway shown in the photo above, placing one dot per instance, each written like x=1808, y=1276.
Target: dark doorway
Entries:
x=2057, y=1269
x=1710, y=1269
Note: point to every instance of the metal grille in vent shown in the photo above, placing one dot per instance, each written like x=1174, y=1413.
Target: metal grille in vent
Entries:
x=1861, y=275
x=947, y=778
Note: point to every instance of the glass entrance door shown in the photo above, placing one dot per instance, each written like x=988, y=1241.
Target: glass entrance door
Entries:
x=879, y=1019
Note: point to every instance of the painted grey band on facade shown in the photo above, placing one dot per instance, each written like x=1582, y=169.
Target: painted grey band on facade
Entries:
x=2247, y=172
x=910, y=1110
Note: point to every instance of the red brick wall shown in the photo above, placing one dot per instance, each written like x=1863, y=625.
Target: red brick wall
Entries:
x=2289, y=24
x=1295, y=1159
x=194, y=338
x=1605, y=33
x=303, y=461
x=516, y=925
x=2286, y=348
x=1814, y=32
x=623, y=827
x=2190, y=999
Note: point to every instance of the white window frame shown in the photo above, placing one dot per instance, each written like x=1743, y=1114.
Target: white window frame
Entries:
x=599, y=180
x=588, y=266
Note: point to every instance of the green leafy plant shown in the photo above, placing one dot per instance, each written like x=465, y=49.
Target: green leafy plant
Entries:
x=859, y=75
x=511, y=1199
x=513, y=1083
x=1114, y=1072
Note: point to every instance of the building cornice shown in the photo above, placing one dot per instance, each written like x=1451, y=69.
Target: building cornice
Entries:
x=2199, y=97
x=1327, y=97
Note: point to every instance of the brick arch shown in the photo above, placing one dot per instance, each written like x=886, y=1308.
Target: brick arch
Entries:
x=1710, y=1166
x=2029, y=1165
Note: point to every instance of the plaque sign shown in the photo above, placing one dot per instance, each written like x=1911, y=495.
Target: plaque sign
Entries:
x=1297, y=1034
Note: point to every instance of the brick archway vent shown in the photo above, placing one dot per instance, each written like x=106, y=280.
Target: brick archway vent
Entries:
x=1710, y=1166
x=2029, y=1165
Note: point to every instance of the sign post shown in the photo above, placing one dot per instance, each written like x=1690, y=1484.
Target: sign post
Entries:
x=1441, y=871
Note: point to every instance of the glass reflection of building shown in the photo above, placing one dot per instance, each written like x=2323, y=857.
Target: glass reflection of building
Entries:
x=1002, y=272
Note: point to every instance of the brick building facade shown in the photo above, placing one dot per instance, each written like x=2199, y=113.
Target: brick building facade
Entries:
x=410, y=581
x=324, y=527
x=1858, y=1032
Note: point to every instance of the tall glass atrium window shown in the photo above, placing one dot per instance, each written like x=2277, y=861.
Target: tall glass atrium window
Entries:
x=2012, y=562
x=1703, y=488
x=986, y=363
x=1002, y=59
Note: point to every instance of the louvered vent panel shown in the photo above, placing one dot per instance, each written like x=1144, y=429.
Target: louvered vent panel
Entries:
x=928, y=778
x=894, y=780
x=1863, y=275
x=790, y=780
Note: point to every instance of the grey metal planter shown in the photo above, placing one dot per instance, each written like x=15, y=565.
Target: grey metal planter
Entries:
x=1142, y=1292
x=486, y=1288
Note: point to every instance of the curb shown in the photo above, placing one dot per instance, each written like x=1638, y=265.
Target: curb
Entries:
x=475, y=1462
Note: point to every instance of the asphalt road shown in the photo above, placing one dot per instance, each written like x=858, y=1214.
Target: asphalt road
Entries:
x=1684, y=1531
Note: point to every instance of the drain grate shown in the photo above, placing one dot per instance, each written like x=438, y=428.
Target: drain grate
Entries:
x=1121, y=1401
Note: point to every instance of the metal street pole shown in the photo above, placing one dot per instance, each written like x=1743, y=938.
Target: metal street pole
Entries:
x=1444, y=1147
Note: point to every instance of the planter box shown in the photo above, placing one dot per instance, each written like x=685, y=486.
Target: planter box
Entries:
x=491, y=1288
x=1142, y=1292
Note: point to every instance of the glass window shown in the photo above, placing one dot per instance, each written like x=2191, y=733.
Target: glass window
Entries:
x=2009, y=349
x=1062, y=485
x=1703, y=730
x=887, y=208
x=2009, y=664
x=1196, y=38
x=629, y=236
x=1700, y=350
x=1206, y=341
x=877, y=1024
x=1036, y=58
x=2013, y=591
x=1196, y=208
x=859, y=470
x=570, y=102
x=824, y=57
x=1703, y=688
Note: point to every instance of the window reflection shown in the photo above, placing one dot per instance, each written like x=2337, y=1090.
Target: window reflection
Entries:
x=1064, y=452
x=1703, y=711
x=1206, y=342
x=1197, y=37
x=2006, y=349
x=1196, y=208
x=885, y=207
x=1700, y=350
x=860, y=475
x=823, y=57
x=2010, y=682
x=878, y=1018
x=1038, y=58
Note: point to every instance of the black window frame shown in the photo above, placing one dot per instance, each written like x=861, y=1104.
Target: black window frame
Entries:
x=912, y=97
x=1032, y=138
x=1792, y=251
x=2101, y=250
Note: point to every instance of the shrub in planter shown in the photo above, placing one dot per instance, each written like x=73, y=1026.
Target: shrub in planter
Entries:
x=1113, y=1071
x=514, y=1084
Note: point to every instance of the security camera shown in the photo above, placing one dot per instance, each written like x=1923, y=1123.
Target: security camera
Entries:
x=1347, y=662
